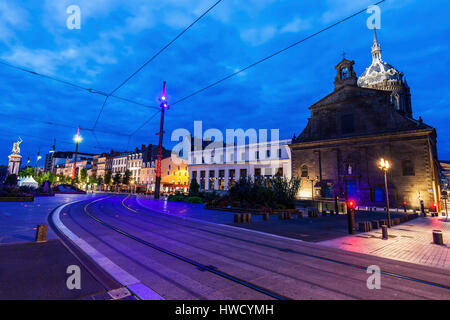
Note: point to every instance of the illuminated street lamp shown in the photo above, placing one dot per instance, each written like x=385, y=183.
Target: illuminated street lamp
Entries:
x=163, y=106
x=384, y=165
x=77, y=138
x=37, y=162
x=131, y=188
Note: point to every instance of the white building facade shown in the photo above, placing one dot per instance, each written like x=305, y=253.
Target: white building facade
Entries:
x=219, y=168
x=119, y=164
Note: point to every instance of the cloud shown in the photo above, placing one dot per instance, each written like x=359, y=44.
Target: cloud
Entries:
x=257, y=36
x=11, y=17
x=296, y=25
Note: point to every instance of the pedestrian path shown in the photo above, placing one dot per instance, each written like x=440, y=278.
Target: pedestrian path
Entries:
x=18, y=220
x=410, y=242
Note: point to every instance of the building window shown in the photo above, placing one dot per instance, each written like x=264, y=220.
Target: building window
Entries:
x=304, y=171
x=257, y=172
x=376, y=194
x=408, y=168
x=279, y=153
x=347, y=124
x=243, y=173
x=268, y=154
x=257, y=155
x=243, y=156
x=280, y=172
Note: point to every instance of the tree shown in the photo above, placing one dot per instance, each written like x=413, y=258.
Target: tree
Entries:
x=11, y=180
x=3, y=173
x=83, y=174
x=194, y=187
x=126, y=177
x=26, y=172
x=108, y=177
x=117, y=178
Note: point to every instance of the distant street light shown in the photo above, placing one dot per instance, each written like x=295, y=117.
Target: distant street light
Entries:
x=37, y=162
x=384, y=165
x=131, y=187
x=77, y=140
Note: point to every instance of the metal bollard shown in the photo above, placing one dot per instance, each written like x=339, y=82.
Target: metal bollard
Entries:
x=266, y=217
x=437, y=237
x=244, y=218
x=384, y=231
x=249, y=217
x=237, y=218
x=41, y=233
x=362, y=227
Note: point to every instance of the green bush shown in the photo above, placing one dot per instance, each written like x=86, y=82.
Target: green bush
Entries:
x=193, y=200
x=194, y=187
x=275, y=192
x=176, y=197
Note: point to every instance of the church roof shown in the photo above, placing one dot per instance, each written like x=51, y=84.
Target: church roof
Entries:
x=379, y=71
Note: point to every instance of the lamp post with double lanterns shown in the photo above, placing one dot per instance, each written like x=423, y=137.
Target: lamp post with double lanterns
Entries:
x=384, y=165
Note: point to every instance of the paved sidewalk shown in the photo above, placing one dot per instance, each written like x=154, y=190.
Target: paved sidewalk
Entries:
x=410, y=242
x=38, y=271
x=18, y=220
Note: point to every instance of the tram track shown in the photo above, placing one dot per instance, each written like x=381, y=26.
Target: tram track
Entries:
x=159, y=230
x=342, y=263
x=179, y=257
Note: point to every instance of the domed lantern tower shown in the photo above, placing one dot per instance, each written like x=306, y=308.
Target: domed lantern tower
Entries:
x=382, y=76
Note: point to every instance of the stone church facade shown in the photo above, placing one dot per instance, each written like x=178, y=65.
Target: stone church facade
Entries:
x=363, y=120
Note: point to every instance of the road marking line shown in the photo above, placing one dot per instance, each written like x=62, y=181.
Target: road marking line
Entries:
x=142, y=292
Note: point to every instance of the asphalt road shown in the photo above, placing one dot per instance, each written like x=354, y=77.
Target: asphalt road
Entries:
x=286, y=268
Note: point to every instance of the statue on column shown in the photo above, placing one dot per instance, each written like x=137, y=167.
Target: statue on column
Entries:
x=15, y=158
x=16, y=149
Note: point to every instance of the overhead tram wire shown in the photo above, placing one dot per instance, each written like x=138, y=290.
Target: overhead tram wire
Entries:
x=60, y=124
x=60, y=141
x=74, y=85
x=166, y=46
x=143, y=125
x=267, y=58
x=152, y=58
x=272, y=55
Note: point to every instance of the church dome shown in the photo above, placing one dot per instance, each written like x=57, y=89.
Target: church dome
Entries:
x=379, y=72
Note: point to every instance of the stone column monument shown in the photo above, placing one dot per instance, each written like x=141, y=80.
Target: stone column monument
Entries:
x=15, y=158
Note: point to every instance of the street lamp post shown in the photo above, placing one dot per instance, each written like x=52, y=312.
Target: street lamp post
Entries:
x=163, y=106
x=38, y=157
x=384, y=165
x=77, y=140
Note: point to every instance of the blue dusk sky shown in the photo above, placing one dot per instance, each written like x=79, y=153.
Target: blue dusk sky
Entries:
x=118, y=36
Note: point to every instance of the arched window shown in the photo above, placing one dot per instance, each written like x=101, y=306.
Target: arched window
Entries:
x=304, y=171
x=344, y=73
x=395, y=101
x=408, y=168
